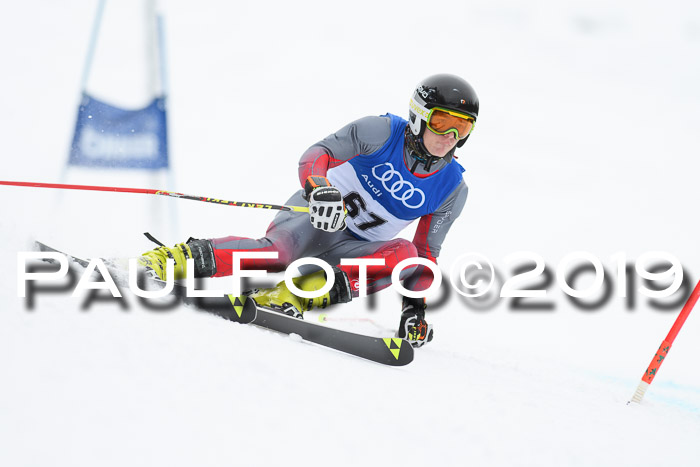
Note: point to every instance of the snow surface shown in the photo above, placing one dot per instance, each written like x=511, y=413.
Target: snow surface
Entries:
x=587, y=141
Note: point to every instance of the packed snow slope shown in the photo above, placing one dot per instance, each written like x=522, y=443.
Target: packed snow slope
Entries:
x=586, y=141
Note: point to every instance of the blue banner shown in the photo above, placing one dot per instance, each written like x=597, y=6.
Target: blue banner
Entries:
x=110, y=137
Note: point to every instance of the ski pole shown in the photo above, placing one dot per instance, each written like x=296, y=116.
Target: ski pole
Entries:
x=660, y=355
x=147, y=191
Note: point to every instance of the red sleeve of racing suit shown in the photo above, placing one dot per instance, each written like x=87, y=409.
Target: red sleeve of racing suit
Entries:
x=363, y=136
x=316, y=161
x=423, y=276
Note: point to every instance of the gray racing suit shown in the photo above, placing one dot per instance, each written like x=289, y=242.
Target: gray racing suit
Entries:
x=292, y=236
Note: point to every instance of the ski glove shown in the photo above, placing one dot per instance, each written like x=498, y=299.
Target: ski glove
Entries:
x=413, y=326
x=326, y=206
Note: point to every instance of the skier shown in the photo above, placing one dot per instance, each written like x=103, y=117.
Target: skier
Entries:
x=363, y=185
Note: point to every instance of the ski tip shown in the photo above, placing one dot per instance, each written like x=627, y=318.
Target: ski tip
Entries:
x=400, y=349
x=244, y=309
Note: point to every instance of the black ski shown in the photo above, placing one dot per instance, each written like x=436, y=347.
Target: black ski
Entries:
x=387, y=351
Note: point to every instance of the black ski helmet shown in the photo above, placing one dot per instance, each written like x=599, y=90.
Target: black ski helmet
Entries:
x=444, y=90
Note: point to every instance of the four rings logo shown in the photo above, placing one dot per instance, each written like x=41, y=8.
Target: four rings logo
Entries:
x=400, y=189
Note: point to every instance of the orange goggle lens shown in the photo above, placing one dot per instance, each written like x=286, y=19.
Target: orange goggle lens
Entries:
x=444, y=121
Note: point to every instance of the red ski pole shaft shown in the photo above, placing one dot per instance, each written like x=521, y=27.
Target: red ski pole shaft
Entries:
x=665, y=346
x=172, y=194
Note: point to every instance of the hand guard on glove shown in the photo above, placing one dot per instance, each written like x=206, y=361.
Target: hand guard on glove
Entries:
x=326, y=206
x=413, y=326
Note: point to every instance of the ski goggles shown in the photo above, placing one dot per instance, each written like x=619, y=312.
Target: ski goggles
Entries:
x=442, y=121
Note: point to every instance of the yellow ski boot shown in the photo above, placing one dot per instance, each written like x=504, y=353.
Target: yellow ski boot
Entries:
x=281, y=299
x=201, y=251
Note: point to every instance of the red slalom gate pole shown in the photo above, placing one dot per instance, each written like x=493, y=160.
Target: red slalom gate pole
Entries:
x=660, y=356
x=242, y=204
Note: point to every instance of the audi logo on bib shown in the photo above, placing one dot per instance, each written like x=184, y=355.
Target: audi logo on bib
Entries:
x=400, y=189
